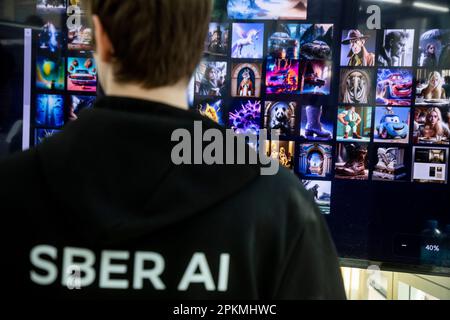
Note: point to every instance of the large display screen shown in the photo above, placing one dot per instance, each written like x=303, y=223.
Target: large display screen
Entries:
x=358, y=90
x=64, y=80
x=362, y=112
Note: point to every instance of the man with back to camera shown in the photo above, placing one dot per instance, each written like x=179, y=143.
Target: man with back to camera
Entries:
x=100, y=210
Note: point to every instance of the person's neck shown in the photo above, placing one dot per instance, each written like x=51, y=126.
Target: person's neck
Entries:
x=175, y=96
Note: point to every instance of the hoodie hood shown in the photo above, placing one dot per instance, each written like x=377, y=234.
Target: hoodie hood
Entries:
x=112, y=171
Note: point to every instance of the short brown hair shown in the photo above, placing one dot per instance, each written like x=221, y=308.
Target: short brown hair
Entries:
x=156, y=42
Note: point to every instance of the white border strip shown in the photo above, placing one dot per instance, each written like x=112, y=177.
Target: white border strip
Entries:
x=27, y=89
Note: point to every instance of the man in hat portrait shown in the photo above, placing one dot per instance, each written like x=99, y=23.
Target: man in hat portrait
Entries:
x=358, y=56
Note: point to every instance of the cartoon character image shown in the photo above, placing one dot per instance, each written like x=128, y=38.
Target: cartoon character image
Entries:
x=358, y=54
x=391, y=127
x=394, y=89
x=351, y=120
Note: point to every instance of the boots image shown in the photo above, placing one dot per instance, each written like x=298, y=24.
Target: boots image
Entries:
x=351, y=151
x=391, y=163
x=357, y=166
x=314, y=128
x=356, y=163
x=382, y=160
x=387, y=161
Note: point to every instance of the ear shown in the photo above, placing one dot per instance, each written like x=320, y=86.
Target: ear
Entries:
x=105, y=49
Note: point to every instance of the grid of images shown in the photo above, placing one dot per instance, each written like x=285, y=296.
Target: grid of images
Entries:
x=267, y=67
x=65, y=72
x=246, y=61
x=390, y=104
x=299, y=59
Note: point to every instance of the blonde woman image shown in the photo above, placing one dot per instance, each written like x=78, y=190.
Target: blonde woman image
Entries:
x=434, y=89
x=434, y=127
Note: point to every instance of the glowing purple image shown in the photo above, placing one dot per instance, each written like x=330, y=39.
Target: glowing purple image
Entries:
x=245, y=117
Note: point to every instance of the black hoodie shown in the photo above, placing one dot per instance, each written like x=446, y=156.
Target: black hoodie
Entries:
x=102, y=203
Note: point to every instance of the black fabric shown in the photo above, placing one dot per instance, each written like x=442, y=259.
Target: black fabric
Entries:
x=107, y=182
